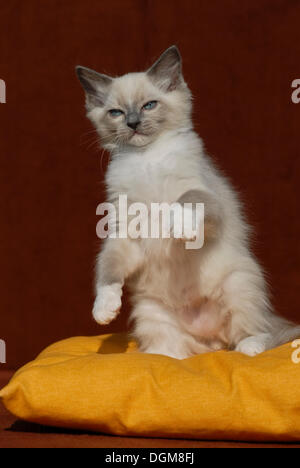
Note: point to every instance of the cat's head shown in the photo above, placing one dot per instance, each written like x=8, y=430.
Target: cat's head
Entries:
x=135, y=109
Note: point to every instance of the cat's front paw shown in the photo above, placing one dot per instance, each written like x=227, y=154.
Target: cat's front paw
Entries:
x=185, y=225
x=107, y=304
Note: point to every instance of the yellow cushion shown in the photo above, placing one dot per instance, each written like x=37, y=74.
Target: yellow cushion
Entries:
x=104, y=384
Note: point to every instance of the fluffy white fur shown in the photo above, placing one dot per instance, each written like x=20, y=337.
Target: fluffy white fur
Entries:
x=185, y=302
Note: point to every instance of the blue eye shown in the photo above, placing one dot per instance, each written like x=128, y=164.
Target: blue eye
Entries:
x=150, y=105
x=115, y=112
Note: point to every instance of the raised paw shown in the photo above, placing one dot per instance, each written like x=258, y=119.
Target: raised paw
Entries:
x=107, y=304
x=185, y=226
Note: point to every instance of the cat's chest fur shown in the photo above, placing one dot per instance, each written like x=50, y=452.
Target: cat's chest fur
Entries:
x=158, y=174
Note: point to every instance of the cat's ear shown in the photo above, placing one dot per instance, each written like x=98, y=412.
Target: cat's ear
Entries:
x=167, y=71
x=95, y=85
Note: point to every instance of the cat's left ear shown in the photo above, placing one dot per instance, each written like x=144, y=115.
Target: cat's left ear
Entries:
x=95, y=85
x=167, y=71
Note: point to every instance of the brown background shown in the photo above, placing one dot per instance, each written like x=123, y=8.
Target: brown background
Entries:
x=239, y=59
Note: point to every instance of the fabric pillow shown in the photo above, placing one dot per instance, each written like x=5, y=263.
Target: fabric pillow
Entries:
x=104, y=384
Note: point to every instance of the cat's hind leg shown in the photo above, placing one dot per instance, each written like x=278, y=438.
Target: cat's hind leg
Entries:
x=253, y=345
x=254, y=326
x=157, y=331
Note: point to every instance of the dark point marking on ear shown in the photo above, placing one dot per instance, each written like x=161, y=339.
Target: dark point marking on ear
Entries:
x=167, y=70
x=95, y=85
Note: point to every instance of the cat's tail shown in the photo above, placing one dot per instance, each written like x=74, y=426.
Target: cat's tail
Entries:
x=282, y=332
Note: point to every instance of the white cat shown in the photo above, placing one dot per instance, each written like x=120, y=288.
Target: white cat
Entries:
x=185, y=302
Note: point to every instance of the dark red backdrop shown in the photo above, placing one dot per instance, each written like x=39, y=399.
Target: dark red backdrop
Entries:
x=239, y=59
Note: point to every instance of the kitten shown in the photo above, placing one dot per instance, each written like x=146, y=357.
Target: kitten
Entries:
x=185, y=302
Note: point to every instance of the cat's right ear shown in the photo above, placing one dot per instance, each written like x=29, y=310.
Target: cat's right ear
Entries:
x=95, y=85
